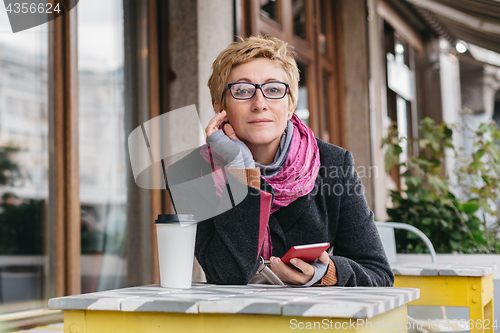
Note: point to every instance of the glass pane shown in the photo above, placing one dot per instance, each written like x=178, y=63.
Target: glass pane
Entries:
x=26, y=280
x=102, y=144
x=401, y=49
x=323, y=25
x=302, y=110
x=402, y=127
x=325, y=135
x=299, y=18
x=269, y=9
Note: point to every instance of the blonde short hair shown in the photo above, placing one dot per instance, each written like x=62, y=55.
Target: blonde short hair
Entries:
x=247, y=50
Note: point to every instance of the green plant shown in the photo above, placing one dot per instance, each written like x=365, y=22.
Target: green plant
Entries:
x=21, y=226
x=479, y=178
x=21, y=220
x=426, y=200
x=9, y=169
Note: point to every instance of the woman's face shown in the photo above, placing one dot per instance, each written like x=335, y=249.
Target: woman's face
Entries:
x=258, y=121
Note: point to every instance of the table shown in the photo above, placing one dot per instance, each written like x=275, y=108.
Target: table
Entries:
x=452, y=285
x=248, y=308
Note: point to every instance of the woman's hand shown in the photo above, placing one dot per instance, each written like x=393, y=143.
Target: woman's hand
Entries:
x=289, y=275
x=215, y=123
x=227, y=144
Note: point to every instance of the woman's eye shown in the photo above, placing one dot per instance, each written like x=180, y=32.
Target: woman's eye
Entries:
x=242, y=91
x=273, y=90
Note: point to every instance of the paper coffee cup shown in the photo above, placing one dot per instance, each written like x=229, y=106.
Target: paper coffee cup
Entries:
x=176, y=235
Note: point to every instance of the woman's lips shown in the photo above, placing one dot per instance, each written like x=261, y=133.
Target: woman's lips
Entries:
x=260, y=122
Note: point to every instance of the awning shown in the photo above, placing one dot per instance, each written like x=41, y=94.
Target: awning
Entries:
x=473, y=21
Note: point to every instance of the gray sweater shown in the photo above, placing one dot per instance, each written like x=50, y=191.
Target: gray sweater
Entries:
x=335, y=211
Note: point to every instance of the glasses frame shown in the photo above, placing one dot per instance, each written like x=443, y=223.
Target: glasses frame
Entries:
x=257, y=86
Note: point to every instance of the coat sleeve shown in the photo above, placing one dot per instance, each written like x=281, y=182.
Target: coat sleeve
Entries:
x=229, y=242
x=358, y=254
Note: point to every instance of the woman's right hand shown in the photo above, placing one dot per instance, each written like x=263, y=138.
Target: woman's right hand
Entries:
x=215, y=123
x=226, y=143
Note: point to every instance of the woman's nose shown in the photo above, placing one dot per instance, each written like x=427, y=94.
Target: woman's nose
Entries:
x=259, y=101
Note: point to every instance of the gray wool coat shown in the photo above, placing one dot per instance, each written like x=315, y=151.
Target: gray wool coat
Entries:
x=335, y=211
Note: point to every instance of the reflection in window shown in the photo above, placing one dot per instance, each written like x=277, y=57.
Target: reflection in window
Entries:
x=325, y=136
x=402, y=127
x=302, y=110
x=323, y=24
x=26, y=281
x=299, y=19
x=102, y=149
x=268, y=9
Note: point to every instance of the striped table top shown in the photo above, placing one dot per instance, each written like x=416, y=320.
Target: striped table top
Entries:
x=443, y=269
x=334, y=302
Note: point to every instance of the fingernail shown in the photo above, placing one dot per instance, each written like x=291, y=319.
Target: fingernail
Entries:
x=293, y=261
x=276, y=261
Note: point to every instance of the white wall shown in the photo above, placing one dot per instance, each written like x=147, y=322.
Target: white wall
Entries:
x=451, y=103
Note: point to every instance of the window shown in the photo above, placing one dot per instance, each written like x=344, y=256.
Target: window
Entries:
x=26, y=250
x=314, y=42
x=269, y=9
x=103, y=192
x=64, y=190
x=401, y=99
x=302, y=109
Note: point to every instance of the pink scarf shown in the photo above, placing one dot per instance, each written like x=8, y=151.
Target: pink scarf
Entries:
x=297, y=176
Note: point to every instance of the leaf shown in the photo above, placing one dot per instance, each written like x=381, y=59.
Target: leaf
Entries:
x=412, y=198
x=494, y=154
x=448, y=132
x=437, y=182
x=392, y=157
x=456, y=235
x=426, y=221
x=435, y=145
x=454, y=244
x=476, y=165
x=480, y=153
x=469, y=207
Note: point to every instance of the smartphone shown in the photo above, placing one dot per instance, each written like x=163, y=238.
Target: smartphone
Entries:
x=308, y=253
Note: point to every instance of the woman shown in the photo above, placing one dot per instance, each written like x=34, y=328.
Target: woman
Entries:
x=301, y=189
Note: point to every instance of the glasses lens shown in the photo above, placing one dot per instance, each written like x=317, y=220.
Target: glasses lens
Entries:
x=274, y=89
x=242, y=90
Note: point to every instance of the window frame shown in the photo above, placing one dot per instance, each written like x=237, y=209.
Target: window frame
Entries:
x=393, y=33
x=253, y=23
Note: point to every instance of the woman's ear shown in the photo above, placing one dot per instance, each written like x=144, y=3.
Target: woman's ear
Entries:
x=218, y=108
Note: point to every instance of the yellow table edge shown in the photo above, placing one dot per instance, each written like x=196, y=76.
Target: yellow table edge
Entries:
x=448, y=290
x=93, y=321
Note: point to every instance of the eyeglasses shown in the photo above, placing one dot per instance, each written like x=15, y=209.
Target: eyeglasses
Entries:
x=246, y=90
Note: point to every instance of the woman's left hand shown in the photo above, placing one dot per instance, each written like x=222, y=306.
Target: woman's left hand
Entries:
x=290, y=275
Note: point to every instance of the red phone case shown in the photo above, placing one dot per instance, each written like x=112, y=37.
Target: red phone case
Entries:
x=308, y=253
